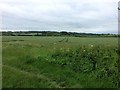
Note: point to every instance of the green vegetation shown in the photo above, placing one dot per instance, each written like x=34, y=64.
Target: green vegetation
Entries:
x=54, y=62
x=55, y=33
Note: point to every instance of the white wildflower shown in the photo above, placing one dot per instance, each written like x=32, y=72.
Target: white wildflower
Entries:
x=91, y=45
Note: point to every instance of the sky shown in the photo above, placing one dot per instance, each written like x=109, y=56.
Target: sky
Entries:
x=85, y=16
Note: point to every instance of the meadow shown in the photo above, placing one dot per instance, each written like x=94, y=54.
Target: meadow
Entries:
x=59, y=62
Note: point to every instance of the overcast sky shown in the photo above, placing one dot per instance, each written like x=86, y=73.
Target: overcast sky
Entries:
x=90, y=16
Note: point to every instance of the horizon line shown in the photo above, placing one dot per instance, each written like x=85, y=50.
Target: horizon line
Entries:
x=54, y=31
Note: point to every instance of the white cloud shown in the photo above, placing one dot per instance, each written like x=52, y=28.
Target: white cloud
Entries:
x=97, y=16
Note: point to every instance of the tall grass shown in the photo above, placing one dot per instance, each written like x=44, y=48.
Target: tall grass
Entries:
x=50, y=63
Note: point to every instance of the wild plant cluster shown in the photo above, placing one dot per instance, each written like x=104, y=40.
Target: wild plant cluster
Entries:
x=101, y=60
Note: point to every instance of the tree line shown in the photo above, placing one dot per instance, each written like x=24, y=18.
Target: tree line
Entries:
x=55, y=33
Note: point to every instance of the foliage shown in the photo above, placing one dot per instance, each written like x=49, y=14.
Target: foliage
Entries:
x=73, y=62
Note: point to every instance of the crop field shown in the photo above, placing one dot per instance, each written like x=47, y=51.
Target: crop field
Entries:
x=59, y=62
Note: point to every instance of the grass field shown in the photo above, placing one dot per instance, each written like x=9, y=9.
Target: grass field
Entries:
x=54, y=62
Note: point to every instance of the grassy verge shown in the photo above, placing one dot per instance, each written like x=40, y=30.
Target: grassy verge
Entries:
x=36, y=64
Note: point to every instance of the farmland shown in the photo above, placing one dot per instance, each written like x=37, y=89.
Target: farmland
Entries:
x=59, y=62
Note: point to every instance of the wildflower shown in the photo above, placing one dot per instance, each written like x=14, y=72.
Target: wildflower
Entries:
x=91, y=45
x=61, y=48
